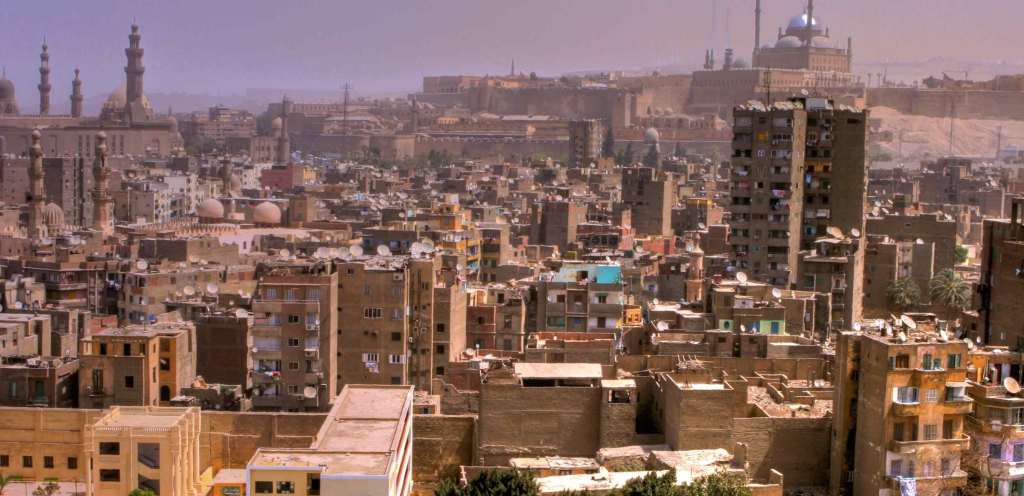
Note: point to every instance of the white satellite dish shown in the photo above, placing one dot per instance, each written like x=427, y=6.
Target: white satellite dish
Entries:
x=743, y=328
x=212, y=288
x=662, y=325
x=655, y=301
x=701, y=226
x=383, y=251
x=142, y=265
x=428, y=243
x=309, y=392
x=854, y=233
x=241, y=313
x=355, y=251
x=888, y=329
x=470, y=352
x=1011, y=385
x=908, y=321
x=856, y=326
x=283, y=252
x=18, y=305
x=943, y=335
x=902, y=337
x=835, y=232
x=741, y=277
x=919, y=241
x=188, y=290
x=776, y=293
x=969, y=343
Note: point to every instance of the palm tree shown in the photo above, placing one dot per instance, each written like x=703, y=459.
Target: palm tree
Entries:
x=950, y=291
x=904, y=293
x=4, y=481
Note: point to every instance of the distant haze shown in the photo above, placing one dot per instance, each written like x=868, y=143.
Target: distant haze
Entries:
x=227, y=46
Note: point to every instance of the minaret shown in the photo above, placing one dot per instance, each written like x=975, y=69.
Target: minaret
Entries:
x=415, y=116
x=284, y=152
x=810, y=21
x=512, y=72
x=225, y=175
x=44, y=80
x=36, y=195
x=134, y=69
x=76, y=96
x=101, y=220
x=757, y=32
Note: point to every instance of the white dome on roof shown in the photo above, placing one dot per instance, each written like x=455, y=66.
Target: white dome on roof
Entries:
x=266, y=213
x=53, y=215
x=822, y=42
x=211, y=208
x=651, y=135
x=789, y=42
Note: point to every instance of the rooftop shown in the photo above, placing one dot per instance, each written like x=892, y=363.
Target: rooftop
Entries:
x=558, y=370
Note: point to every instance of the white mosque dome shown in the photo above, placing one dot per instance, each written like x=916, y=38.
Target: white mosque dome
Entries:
x=266, y=213
x=211, y=208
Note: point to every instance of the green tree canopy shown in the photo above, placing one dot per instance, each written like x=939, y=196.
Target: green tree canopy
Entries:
x=950, y=291
x=904, y=293
x=492, y=483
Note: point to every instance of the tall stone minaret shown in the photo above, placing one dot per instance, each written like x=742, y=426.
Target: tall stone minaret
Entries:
x=134, y=70
x=284, y=151
x=101, y=215
x=36, y=194
x=76, y=96
x=44, y=80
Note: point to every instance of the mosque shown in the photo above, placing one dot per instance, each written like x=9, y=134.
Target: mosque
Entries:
x=803, y=45
x=127, y=117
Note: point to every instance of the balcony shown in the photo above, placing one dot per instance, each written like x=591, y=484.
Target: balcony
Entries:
x=910, y=447
x=1006, y=469
x=936, y=483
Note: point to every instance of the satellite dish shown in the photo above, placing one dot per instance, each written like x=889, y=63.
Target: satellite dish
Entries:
x=283, y=252
x=854, y=232
x=383, y=251
x=212, y=288
x=743, y=328
x=428, y=243
x=888, y=329
x=416, y=249
x=919, y=241
x=470, y=352
x=776, y=293
x=309, y=392
x=741, y=277
x=142, y=265
x=355, y=251
x=188, y=290
x=1011, y=385
x=655, y=301
x=856, y=326
x=909, y=322
x=969, y=343
x=835, y=232
x=241, y=313
x=943, y=335
x=18, y=305
x=662, y=325
x=701, y=226
x=902, y=337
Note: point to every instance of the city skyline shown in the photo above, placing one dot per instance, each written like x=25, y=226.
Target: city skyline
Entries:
x=458, y=36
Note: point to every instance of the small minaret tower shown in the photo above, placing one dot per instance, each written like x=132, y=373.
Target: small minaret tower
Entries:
x=44, y=80
x=134, y=70
x=284, y=152
x=101, y=219
x=36, y=195
x=76, y=96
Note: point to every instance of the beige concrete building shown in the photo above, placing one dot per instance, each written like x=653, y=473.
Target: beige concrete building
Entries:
x=364, y=447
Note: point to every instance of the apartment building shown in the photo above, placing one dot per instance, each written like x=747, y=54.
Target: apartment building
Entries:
x=1001, y=302
x=496, y=318
x=294, y=346
x=580, y=297
x=650, y=194
x=836, y=266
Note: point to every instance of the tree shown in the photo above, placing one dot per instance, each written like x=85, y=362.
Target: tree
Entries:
x=961, y=254
x=608, y=145
x=718, y=484
x=4, y=481
x=950, y=291
x=49, y=488
x=626, y=157
x=652, y=158
x=904, y=293
x=652, y=484
x=492, y=483
x=141, y=492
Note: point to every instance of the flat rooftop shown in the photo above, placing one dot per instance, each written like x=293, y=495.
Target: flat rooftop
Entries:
x=141, y=418
x=324, y=462
x=558, y=370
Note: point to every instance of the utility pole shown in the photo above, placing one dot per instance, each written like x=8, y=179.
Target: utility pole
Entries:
x=952, y=124
x=344, y=109
x=999, y=141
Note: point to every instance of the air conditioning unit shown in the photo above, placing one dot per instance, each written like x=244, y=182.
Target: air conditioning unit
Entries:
x=312, y=326
x=398, y=277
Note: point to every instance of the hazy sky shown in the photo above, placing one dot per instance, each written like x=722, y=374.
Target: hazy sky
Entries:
x=226, y=46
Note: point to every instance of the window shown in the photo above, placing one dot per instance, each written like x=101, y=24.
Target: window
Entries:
x=948, y=428
x=899, y=362
x=395, y=380
x=293, y=342
x=371, y=357
x=396, y=314
x=47, y=462
x=110, y=448
x=127, y=349
x=931, y=395
x=129, y=381
x=372, y=313
x=905, y=395
x=293, y=365
x=285, y=487
x=270, y=294
x=5, y=461
x=293, y=389
x=953, y=361
x=291, y=294
x=395, y=359
x=264, y=487
x=313, y=294
x=995, y=451
x=72, y=462
x=103, y=348
x=293, y=319
x=313, y=486
x=931, y=432
x=439, y=371
x=440, y=327
x=895, y=468
x=26, y=461
x=110, y=475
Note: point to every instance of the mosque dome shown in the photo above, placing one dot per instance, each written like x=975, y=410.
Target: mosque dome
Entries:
x=6, y=89
x=651, y=135
x=119, y=98
x=211, y=208
x=173, y=121
x=740, y=64
x=789, y=42
x=266, y=213
x=800, y=22
x=53, y=216
x=822, y=42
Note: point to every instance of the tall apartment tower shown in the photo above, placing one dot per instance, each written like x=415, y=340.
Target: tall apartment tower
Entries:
x=766, y=186
x=585, y=139
x=900, y=408
x=294, y=344
x=650, y=195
